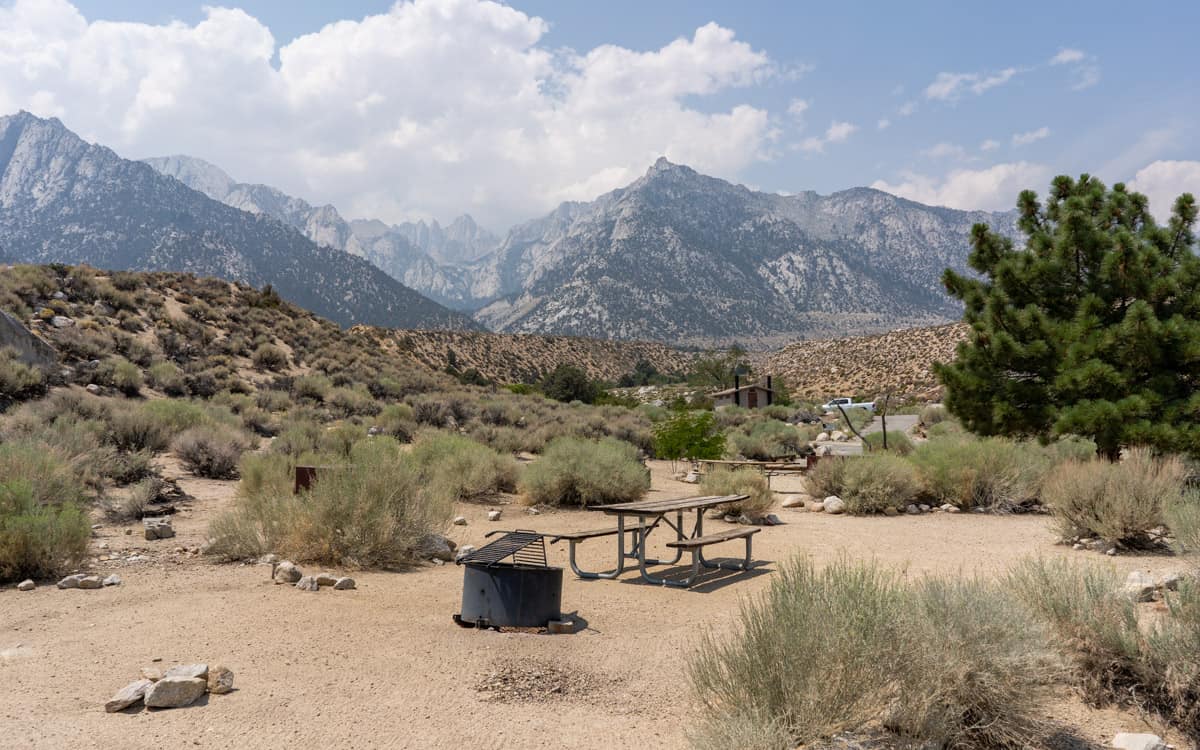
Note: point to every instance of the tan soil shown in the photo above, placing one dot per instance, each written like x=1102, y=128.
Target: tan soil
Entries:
x=384, y=666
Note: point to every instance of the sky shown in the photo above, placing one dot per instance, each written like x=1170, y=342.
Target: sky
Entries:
x=426, y=109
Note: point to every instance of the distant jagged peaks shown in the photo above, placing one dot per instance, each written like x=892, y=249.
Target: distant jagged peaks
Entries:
x=68, y=201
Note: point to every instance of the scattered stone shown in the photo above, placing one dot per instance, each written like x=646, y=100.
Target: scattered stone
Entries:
x=128, y=532
x=533, y=512
x=950, y=508
x=326, y=579
x=132, y=693
x=464, y=550
x=90, y=582
x=1140, y=586
x=890, y=511
x=437, y=547
x=26, y=585
x=924, y=508
x=691, y=478
x=220, y=680
x=175, y=692
x=269, y=559
x=839, y=437
x=746, y=520
x=814, y=506
x=773, y=520
x=1138, y=741
x=460, y=521
x=308, y=583
x=344, y=584
x=493, y=515
x=912, y=510
x=154, y=674
x=834, y=505
x=1111, y=552
x=1077, y=546
x=1170, y=581
x=823, y=437
x=93, y=389
x=286, y=572
x=158, y=528
x=187, y=670
x=112, y=580
x=61, y=321
x=795, y=501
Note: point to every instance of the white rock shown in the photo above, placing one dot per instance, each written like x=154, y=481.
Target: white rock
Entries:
x=61, y=321
x=268, y=559
x=220, y=680
x=460, y=521
x=534, y=512
x=91, y=582
x=187, y=670
x=308, y=583
x=154, y=674
x=1170, y=581
x=493, y=515
x=835, y=505
x=1138, y=741
x=1077, y=546
x=132, y=693
x=839, y=437
x=691, y=478
x=924, y=508
x=823, y=437
x=112, y=580
x=912, y=510
x=344, y=584
x=175, y=692
x=814, y=506
x=71, y=581
x=26, y=585
x=794, y=501
x=93, y=389
x=464, y=550
x=949, y=508
x=1140, y=586
x=286, y=572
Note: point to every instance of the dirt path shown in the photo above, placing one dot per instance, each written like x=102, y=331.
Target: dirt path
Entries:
x=383, y=666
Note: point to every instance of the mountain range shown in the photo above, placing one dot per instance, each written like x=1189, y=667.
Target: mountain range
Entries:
x=63, y=200
x=676, y=256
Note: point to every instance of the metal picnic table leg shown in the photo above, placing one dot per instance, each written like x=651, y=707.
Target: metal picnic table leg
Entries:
x=642, y=531
x=620, y=556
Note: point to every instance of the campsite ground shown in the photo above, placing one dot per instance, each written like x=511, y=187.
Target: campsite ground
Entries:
x=384, y=665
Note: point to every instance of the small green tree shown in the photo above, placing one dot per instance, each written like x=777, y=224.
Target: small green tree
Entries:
x=1092, y=328
x=690, y=435
x=569, y=383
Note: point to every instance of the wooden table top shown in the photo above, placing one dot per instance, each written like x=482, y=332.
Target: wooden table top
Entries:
x=673, y=505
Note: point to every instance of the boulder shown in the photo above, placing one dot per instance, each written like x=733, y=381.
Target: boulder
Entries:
x=924, y=508
x=112, y=580
x=493, y=515
x=71, y=581
x=62, y=321
x=1170, y=581
x=814, y=506
x=436, y=547
x=308, y=583
x=93, y=389
x=175, y=692
x=286, y=572
x=460, y=521
x=158, y=528
x=912, y=510
x=1140, y=586
x=344, y=584
x=772, y=520
x=890, y=511
x=691, y=478
x=839, y=437
x=835, y=505
x=132, y=693
x=794, y=501
x=326, y=579
x=154, y=674
x=746, y=520
x=91, y=582
x=823, y=437
x=26, y=585
x=187, y=670
x=464, y=550
x=220, y=680
x=1138, y=741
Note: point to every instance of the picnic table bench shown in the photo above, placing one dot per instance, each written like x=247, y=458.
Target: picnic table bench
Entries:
x=784, y=465
x=650, y=514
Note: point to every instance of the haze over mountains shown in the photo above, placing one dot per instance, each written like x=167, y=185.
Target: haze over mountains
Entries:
x=63, y=200
x=676, y=256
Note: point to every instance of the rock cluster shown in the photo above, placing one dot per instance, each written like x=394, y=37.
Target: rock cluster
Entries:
x=179, y=686
x=82, y=581
x=1143, y=587
x=287, y=573
x=158, y=528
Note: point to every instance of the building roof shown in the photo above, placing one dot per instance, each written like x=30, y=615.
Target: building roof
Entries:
x=731, y=391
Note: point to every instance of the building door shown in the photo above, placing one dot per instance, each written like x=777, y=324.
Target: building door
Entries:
x=753, y=400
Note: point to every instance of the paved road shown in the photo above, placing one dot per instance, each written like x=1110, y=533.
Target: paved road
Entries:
x=896, y=423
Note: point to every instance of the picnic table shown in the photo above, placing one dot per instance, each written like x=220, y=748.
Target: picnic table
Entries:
x=650, y=514
x=784, y=465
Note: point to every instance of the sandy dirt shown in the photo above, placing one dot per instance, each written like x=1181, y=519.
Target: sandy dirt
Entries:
x=384, y=666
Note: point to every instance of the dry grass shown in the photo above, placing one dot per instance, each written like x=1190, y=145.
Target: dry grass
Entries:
x=746, y=481
x=576, y=471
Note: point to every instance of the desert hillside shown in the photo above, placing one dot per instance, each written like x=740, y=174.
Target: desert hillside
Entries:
x=518, y=358
x=897, y=361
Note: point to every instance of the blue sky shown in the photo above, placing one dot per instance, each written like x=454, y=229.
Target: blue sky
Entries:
x=950, y=103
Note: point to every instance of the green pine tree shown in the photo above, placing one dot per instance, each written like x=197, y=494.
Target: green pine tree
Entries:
x=1092, y=328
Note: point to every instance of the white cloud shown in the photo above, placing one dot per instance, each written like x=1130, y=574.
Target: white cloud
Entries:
x=945, y=150
x=1164, y=181
x=989, y=145
x=394, y=114
x=798, y=107
x=907, y=108
x=1024, y=139
x=883, y=124
x=950, y=86
x=837, y=132
x=992, y=189
x=1067, y=55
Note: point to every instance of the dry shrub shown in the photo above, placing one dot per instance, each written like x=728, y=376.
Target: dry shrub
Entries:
x=1118, y=502
x=897, y=442
x=38, y=539
x=1182, y=515
x=1117, y=658
x=933, y=414
x=828, y=477
x=118, y=372
x=941, y=663
x=459, y=468
x=993, y=473
x=268, y=357
x=18, y=380
x=878, y=481
x=745, y=481
x=577, y=471
x=211, y=451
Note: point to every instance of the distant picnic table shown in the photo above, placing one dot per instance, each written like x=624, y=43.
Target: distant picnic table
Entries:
x=650, y=514
x=767, y=468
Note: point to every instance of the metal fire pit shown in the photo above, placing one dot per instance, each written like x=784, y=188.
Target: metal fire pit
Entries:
x=507, y=583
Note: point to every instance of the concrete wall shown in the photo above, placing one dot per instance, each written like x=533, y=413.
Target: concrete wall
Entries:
x=30, y=349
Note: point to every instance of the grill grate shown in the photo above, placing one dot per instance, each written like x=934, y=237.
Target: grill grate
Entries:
x=524, y=546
